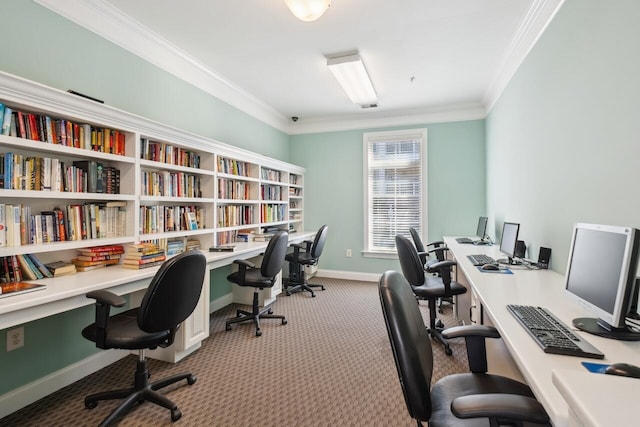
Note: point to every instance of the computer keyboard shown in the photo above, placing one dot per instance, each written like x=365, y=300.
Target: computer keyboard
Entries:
x=551, y=334
x=464, y=240
x=481, y=259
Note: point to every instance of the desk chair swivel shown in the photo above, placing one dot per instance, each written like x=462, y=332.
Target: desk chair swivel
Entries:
x=170, y=298
x=305, y=253
x=438, y=250
x=466, y=399
x=260, y=278
x=429, y=288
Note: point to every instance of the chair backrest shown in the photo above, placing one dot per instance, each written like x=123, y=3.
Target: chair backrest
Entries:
x=416, y=239
x=173, y=293
x=412, y=266
x=318, y=242
x=273, y=258
x=410, y=343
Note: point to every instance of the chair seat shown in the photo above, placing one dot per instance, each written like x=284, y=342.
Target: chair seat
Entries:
x=129, y=336
x=253, y=278
x=457, y=385
x=433, y=288
x=303, y=258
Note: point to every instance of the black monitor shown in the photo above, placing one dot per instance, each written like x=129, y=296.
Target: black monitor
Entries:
x=481, y=231
x=509, y=241
x=601, y=275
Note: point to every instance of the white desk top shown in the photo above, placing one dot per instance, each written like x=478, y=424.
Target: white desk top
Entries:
x=68, y=292
x=543, y=288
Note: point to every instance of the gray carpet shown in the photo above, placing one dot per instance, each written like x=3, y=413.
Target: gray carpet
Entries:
x=331, y=365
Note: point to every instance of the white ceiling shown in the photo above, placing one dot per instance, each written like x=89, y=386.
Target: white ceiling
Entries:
x=429, y=60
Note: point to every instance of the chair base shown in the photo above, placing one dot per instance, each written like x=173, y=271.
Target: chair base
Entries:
x=255, y=315
x=291, y=287
x=435, y=328
x=141, y=392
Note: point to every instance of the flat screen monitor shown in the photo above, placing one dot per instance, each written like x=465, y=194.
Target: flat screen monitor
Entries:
x=601, y=275
x=481, y=231
x=509, y=241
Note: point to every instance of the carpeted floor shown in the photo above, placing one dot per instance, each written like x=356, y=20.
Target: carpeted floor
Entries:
x=331, y=365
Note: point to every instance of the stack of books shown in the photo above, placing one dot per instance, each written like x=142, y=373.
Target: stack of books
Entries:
x=143, y=255
x=175, y=247
x=61, y=268
x=98, y=257
x=193, y=244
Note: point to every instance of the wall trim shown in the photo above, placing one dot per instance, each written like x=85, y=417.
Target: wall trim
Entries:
x=102, y=18
x=19, y=398
x=349, y=275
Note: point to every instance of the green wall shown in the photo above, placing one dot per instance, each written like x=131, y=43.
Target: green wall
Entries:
x=562, y=141
x=334, y=188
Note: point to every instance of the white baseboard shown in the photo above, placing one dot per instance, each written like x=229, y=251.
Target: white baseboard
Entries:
x=221, y=302
x=29, y=393
x=349, y=275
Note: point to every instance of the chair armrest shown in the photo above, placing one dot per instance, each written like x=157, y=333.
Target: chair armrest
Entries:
x=436, y=266
x=436, y=250
x=244, y=263
x=436, y=243
x=103, y=296
x=474, y=337
x=500, y=405
x=471, y=330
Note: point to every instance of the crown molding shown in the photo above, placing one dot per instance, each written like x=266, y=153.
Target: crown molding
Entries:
x=452, y=113
x=534, y=23
x=110, y=23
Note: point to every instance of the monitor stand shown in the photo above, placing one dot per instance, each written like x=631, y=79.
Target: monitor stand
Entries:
x=509, y=261
x=592, y=326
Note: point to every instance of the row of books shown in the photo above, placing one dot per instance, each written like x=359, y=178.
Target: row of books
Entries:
x=232, y=215
x=233, y=167
x=19, y=172
x=16, y=268
x=271, y=175
x=19, y=226
x=40, y=127
x=272, y=213
x=271, y=192
x=296, y=192
x=170, y=184
x=163, y=218
x=166, y=153
x=232, y=189
x=226, y=237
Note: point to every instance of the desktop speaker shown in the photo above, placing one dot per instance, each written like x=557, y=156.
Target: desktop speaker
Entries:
x=521, y=248
x=544, y=257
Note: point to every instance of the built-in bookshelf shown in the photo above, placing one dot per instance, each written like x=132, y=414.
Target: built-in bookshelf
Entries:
x=75, y=174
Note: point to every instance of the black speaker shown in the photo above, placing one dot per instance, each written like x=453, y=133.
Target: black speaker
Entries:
x=544, y=257
x=521, y=248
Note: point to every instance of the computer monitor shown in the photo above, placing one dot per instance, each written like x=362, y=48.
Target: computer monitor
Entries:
x=601, y=275
x=509, y=241
x=481, y=231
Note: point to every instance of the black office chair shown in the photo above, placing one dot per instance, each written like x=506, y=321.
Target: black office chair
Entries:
x=429, y=288
x=467, y=399
x=305, y=253
x=438, y=249
x=264, y=277
x=170, y=298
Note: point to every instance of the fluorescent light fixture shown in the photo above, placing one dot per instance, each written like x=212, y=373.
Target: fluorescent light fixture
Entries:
x=352, y=76
x=308, y=10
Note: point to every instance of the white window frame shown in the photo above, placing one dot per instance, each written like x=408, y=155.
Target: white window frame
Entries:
x=369, y=250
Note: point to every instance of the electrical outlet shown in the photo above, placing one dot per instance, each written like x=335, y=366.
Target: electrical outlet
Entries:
x=348, y=253
x=15, y=338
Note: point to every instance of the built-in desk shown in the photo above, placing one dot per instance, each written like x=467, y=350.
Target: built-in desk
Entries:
x=546, y=288
x=68, y=293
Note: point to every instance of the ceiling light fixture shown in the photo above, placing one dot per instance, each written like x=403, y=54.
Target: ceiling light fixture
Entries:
x=308, y=10
x=352, y=76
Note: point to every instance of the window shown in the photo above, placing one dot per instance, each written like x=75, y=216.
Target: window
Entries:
x=395, y=187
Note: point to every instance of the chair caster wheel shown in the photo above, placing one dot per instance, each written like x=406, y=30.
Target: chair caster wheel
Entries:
x=227, y=327
x=439, y=324
x=322, y=287
x=258, y=332
x=284, y=321
x=448, y=351
x=191, y=380
x=90, y=405
x=270, y=311
x=176, y=415
x=313, y=295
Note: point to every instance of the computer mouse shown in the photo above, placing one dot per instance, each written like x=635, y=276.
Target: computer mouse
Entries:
x=490, y=267
x=623, y=370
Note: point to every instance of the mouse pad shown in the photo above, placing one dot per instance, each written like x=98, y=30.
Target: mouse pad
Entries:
x=501, y=271
x=597, y=368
